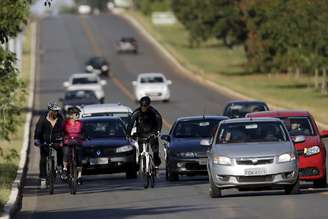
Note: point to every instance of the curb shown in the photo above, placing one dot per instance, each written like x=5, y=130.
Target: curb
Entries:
x=190, y=74
x=15, y=198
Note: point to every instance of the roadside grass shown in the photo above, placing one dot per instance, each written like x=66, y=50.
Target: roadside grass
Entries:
x=226, y=67
x=10, y=150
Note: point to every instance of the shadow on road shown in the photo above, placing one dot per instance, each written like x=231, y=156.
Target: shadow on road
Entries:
x=117, y=213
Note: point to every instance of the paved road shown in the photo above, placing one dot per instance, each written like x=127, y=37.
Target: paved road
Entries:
x=64, y=44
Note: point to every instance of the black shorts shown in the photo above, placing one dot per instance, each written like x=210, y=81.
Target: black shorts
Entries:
x=67, y=154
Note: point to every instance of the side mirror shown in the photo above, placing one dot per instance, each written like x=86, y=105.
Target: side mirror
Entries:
x=299, y=139
x=166, y=138
x=103, y=82
x=324, y=134
x=134, y=83
x=205, y=142
x=66, y=84
x=169, y=82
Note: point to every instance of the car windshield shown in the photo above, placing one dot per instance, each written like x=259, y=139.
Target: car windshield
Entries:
x=298, y=126
x=239, y=110
x=247, y=132
x=195, y=129
x=124, y=116
x=152, y=79
x=85, y=80
x=104, y=129
x=80, y=94
x=97, y=62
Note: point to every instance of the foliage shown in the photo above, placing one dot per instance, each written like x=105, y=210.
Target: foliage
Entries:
x=13, y=17
x=277, y=34
x=149, y=6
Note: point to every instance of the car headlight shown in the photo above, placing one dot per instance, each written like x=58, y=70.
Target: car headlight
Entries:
x=286, y=157
x=222, y=160
x=89, y=68
x=312, y=150
x=125, y=148
x=104, y=67
x=186, y=154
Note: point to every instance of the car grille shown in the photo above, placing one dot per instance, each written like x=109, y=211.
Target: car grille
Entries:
x=245, y=179
x=300, y=152
x=154, y=94
x=201, y=154
x=255, y=161
x=99, y=152
x=195, y=166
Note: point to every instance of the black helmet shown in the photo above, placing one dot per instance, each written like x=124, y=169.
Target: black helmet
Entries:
x=53, y=106
x=145, y=101
x=73, y=110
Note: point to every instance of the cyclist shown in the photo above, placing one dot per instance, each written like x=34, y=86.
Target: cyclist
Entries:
x=73, y=135
x=148, y=122
x=49, y=129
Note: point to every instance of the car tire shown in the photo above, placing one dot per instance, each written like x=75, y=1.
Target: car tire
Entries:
x=321, y=183
x=214, y=191
x=131, y=171
x=102, y=100
x=171, y=176
x=293, y=189
x=166, y=101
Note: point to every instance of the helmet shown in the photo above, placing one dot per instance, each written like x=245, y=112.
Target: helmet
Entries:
x=53, y=106
x=73, y=110
x=145, y=101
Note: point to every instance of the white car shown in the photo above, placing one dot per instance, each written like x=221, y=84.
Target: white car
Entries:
x=84, y=9
x=154, y=85
x=85, y=81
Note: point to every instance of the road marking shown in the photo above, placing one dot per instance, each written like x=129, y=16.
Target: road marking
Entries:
x=98, y=51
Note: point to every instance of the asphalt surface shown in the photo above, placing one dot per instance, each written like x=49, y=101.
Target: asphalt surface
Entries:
x=65, y=43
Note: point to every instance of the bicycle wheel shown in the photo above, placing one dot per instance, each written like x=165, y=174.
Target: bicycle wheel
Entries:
x=51, y=175
x=145, y=173
x=73, y=177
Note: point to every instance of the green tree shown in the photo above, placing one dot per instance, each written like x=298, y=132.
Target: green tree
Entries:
x=13, y=17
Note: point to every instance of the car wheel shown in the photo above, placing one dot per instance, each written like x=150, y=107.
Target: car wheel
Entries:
x=171, y=176
x=102, y=100
x=214, y=191
x=293, y=189
x=166, y=101
x=321, y=183
x=131, y=171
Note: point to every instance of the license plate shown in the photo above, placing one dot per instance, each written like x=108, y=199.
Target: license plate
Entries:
x=255, y=172
x=202, y=161
x=99, y=161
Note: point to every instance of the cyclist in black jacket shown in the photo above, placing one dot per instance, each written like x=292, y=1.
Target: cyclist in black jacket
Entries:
x=49, y=129
x=148, y=122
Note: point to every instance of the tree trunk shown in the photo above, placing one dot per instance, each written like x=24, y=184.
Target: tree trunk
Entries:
x=297, y=73
x=324, y=82
x=316, y=78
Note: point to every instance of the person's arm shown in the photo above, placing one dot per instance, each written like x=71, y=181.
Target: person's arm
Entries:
x=133, y=119
x=38, y=132
x=159, y=120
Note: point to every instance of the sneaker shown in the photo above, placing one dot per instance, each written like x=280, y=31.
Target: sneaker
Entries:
x=43, y=184
x=79, y=181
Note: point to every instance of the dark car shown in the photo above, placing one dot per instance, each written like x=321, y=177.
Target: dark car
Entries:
x=79, y=98
x=184, y=153
x=106, y=148
x=239, y=109
x=97, y=65
x=127, y=45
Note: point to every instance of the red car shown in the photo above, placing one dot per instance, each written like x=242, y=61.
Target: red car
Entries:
x=312, y=151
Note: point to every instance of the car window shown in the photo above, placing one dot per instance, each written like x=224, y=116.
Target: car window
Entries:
x=152, y=79
x=124, y=116
x=80, y=94
x=247, y=132
x=104, y=129
x=239, y=110
x=195, y=129
x=85, y=80
x=298, y=126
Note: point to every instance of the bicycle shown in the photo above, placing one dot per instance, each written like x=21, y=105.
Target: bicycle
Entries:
x=73, y=178
x=147, y=166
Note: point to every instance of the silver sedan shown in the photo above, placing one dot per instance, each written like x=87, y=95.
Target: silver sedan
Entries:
x=252, y=154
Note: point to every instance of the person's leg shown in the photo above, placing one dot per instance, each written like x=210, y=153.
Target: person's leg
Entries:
x=43, y=166
x=60, y=154
x=155, y=148
x=79, y=158
x=66, y=151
